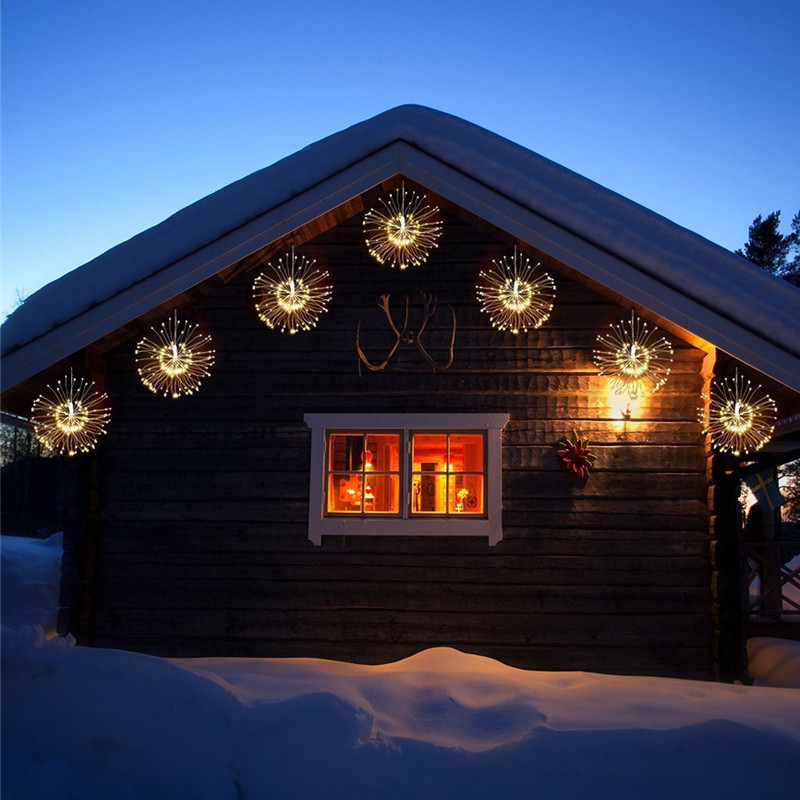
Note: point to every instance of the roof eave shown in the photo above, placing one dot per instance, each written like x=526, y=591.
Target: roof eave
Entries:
x=611, y=240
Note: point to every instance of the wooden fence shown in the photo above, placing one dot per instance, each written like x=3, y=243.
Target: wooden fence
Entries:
x=774, y=585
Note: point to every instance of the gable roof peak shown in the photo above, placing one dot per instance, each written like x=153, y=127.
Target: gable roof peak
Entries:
x=636, y=253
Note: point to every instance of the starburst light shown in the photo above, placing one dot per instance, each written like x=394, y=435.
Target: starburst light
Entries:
x=403, y=231
x=173, y=359
x=636, y=360
x=292, y=295
x=516, y=294
x=740, y=416
x=70, y=417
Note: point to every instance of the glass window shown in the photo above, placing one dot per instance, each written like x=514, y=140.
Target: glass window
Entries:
x=447, y=473
x=405, y=474
x=363, y=473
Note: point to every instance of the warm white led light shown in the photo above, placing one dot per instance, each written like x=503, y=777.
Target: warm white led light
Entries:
x=740, y=416
x=636, y=360
x=403, y=231
x=173, y=360
x=292, y=295
x=70, y=417
x=516, y=294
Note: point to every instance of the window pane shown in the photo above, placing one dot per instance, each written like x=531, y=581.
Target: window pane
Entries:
x=382, y=495
x=447, y=473
x=466, y=452
x=428, y=492
x=383, y=452
x=465, y=494
x=363, y=473
x=344, y=451
x=429, y=452
x=344, y=493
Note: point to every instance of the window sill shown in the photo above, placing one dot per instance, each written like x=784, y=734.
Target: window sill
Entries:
x=341, y=526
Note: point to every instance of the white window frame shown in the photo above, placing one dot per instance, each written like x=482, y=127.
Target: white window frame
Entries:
x=489, y=525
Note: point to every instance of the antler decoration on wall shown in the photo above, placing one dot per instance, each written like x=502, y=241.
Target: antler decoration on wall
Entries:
x=405, y=335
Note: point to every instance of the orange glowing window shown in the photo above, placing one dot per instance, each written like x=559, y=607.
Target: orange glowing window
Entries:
x=362, y=473
x=405, y=474
x=447, y=474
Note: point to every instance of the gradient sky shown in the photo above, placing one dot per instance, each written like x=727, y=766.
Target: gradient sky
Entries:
x=116, y=114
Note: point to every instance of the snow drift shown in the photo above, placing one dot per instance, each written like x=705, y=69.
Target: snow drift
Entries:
x=91, y=723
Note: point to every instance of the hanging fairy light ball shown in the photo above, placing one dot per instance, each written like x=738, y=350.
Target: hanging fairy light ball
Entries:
x=173, y=359
x=403, y=230
x=70, y=417
x=516, y=294
x=740, y=416
x=292, y=295
x=634, y=357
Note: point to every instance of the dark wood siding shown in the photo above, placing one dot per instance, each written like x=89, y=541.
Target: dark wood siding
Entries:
x=203, y=548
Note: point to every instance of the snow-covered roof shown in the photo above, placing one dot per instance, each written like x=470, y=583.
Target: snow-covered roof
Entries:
x=697, y=285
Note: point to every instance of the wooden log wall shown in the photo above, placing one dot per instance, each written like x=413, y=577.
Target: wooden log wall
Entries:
x=202, y=546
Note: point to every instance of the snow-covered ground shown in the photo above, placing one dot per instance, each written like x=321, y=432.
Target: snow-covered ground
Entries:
x=91, y=723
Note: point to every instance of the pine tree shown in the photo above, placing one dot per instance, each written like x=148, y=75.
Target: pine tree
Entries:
x=777, y=253
x=766, y=245
x=792, y=272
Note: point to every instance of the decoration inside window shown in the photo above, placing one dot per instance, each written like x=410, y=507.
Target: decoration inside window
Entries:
x=292, y=295
x=403, y=230
x=447, y=473
x=515, y=294
x=173, y=359
x=70, y=417
x=636, y=360
x=740, y=416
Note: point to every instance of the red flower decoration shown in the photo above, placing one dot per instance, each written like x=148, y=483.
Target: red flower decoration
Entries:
x=575, y=455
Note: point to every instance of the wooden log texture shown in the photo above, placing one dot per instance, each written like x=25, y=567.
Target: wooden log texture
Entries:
x=203, y=548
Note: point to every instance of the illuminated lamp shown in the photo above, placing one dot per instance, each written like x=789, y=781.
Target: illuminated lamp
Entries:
x=403, y=230
x=292, y=295
x=515, y=294
x=740, y=416
x=70, y=417
x=634, y=358
x=173, y=359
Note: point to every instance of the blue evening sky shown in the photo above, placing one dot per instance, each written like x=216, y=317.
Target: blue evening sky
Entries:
x=115, y=114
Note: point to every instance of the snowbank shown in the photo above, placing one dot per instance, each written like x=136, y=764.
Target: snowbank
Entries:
x=92, y=723
x=30, y=581
x=774, y=662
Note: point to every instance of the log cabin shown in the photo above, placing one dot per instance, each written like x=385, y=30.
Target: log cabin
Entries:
x=393, y=477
